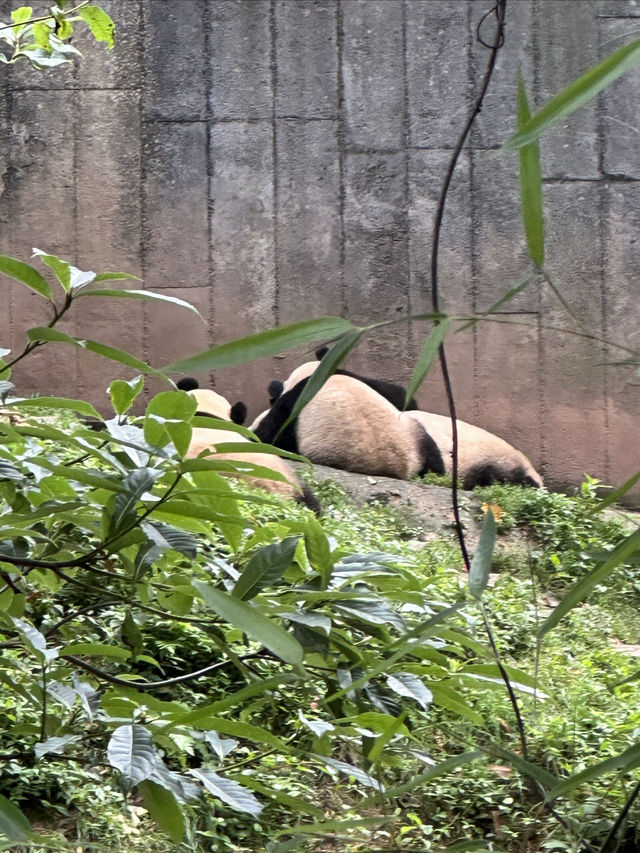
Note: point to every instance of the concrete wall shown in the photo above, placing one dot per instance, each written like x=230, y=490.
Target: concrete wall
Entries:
x=271, y=160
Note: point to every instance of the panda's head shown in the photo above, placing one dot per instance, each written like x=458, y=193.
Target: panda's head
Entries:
x=211, y=404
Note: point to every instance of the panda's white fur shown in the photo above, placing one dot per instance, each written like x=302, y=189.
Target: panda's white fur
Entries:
x=482, y=456
x=347, y=425
x=205, y=440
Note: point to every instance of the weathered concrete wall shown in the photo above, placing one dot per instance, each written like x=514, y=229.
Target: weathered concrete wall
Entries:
x=271, y=160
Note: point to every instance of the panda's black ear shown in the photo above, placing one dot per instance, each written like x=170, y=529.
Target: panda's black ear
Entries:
x=238, y=413
x=275, y=389
x=320, y=353
x=187, y=383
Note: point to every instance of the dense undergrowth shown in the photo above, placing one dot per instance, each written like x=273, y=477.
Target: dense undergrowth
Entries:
x=302, y=757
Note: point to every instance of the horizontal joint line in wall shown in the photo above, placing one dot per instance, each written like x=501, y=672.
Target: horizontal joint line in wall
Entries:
x=628, y=17
x=307, y=118
x=135, y=89
x=559, y=179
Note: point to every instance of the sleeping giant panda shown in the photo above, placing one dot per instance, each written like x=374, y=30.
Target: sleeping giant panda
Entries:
x=395, y=394
x=348, y=425
x=483, y=457
x=203, y=439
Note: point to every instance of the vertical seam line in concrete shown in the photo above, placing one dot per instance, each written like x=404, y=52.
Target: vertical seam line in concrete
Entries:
x=76, y=99
x=474, y=222
x=543, y=409
x=603, y=211
x=340, y=138
x=209, y=169
x=144, y=236
x=273, y=58
x=10, y=173
x=406, y=182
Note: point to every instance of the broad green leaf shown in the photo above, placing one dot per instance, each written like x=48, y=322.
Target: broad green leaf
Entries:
x=252, y=622
x=124, y=393
x=25, y=274
x=61, y=403
x=481, y=562
x=100, y=24
x=576, y=94
x=35, y=640
x=392, y=728
x=192, y=510
x=148, y=295
x=408, y=684
x=295, y=804
x=164, y=809
x=131, y=751
x=350, y=770
x=21, y=15
x=265, y=567
x=41, y=33
x=625, y=761
x=262, y=344
x=228, y=791
x=530, y=183
x=61, y=268
x=579, y=591
x=236, y=728
x=13, y=824
x=318, y=550
x=429, y=351
x=46, y=333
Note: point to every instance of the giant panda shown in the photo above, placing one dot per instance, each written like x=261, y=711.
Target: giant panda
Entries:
x=203, y=439
x=395, y=394
x=348, y=425
x=483, y=457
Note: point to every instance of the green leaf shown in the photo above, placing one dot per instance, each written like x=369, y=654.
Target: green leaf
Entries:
x=481, y=562
x=148, y=295
x=114, y=276
x=583, y=587
x=262, y=344
x=257, y=688
x=576, y=94
x=21, y=15
x=166, y=406
x=25, y=274
x=530, y=183
x=61, y=268
x=13, y=824
x=429, y=351
x=408, y=684
x=252, y=622
x=265, y=567
x=95, y=650
x=41, y=33
x=615, y=496
x=61, y=403
x=122, y=357
x=131, y=751
x=100, y=24
x=331, y=827
x=228, y=791
x=318, y=550
x=123, y=394
x=392, y=728
x=625, y=761
x=325, y=369
x=164, y=809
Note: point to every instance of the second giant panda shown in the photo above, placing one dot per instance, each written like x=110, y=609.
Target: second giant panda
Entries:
x=203, y=439
x=483, y=457
x=395, y=394
x=348, y=425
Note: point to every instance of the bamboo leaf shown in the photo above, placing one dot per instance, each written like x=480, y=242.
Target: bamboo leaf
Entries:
x=148, y=295
x=530, y=183
x=60, y=268
x=576, y=94
x=59, y=403
x=262, y=344
x=252, y=622
x=614, y=496
x=425, y=359
x=583, y=587
x=481, y=562
x=625, y=761
x=228, y=791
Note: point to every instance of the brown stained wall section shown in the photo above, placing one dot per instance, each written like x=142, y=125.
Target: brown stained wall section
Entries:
x=270, y=160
